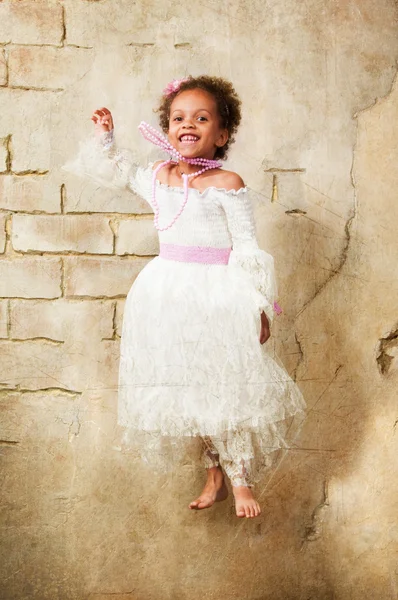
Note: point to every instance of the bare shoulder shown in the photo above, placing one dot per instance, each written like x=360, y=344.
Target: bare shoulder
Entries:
x=230, y=180
x=156, y=164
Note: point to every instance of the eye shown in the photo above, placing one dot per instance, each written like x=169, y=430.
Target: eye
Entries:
x=201, y=118
x=177, y=118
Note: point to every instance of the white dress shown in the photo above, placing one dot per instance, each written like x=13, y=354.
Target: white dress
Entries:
x=190, y=359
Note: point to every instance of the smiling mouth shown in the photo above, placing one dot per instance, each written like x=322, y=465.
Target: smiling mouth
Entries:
x=188, y=139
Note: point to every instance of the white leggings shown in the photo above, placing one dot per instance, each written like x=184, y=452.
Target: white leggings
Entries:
x=234, y=454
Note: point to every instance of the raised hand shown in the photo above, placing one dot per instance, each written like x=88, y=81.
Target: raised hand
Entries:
x=102, y=118
x=265, y=332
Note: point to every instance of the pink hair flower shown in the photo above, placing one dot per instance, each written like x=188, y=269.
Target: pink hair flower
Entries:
x=173, y=86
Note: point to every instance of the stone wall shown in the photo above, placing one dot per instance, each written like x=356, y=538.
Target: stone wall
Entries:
x=81, y=518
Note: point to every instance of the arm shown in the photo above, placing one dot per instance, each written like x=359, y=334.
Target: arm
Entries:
x=100, y=159
x=247, y=255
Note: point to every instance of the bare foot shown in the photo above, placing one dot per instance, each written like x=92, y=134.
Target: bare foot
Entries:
x=245, y=503
x=215, y=490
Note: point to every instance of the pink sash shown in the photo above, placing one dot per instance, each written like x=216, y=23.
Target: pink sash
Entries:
x=197, y=254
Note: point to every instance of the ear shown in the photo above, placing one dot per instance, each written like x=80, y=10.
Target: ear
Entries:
x=222, y=138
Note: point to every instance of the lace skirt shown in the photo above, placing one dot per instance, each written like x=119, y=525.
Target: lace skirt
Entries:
x=191, y=363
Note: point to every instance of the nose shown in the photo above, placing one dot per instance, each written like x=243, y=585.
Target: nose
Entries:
x=188, y=123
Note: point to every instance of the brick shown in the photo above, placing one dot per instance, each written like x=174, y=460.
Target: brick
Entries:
x=129, y=22
x=27, y=22
x=3, y=318
x=33, y=365
x=61, y=320
x=3, y=67
x=83, y=233
x=82, y=195
x=30, y=277
x=30, y=193
x=2, y=233
x=137, y=237
x=20, y=423
x=25, y=115
x=47, y=67
x=100, y=277
x=41, y=364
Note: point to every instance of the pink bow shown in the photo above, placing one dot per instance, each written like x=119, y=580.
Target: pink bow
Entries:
x=173, y=86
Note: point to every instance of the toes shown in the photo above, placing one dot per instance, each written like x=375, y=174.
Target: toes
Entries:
x=240, y=511
x=200, y=503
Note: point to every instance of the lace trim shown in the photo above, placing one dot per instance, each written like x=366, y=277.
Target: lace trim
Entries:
x=260, y=266
x=179, y=188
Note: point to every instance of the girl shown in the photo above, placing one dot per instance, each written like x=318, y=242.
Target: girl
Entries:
x=193, y=360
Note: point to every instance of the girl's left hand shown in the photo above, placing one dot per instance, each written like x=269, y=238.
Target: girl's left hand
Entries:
x=265, y=332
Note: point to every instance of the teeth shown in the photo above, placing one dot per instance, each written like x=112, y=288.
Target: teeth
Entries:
x=189, y=138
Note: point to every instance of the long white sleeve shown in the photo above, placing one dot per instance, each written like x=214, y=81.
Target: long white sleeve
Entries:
x=246, y=253
x=100, y=159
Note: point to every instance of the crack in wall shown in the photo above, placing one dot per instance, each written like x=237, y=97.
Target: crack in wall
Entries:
x=344, y=252
x=31, y=252
x=6, y=234
x=92, y=297
x=35, y=339
x=77, y=46
x=8, y=226
x=279, y=170
x=35, y=89
x=8, y=318
x=62, y=280
x=134, y=216
x=62, y=193
x=295, y=211
x=45, y=213
x=74, y=426
x=114, y=227
x=29, y=172
x=8, y=146
x=384, y=359
x=141, y=44
x=314, y=530
x=93, y=594
x=275, y=191
x=63, y=35
x=115, y=336
x=7, y=69
x=21, y=45
x=300, y=360
x=348, y=225
x=59, y=390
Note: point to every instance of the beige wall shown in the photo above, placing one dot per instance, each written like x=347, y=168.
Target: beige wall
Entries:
x=81, y=518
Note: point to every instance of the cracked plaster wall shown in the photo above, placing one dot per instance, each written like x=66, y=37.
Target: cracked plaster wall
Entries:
x=80, y=518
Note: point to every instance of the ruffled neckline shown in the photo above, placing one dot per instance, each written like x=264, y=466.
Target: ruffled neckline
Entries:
x=179, y=188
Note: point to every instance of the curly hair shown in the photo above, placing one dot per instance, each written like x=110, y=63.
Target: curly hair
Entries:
x=227, y=100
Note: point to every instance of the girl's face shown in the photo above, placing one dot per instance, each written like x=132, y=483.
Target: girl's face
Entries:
x=194, y=125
